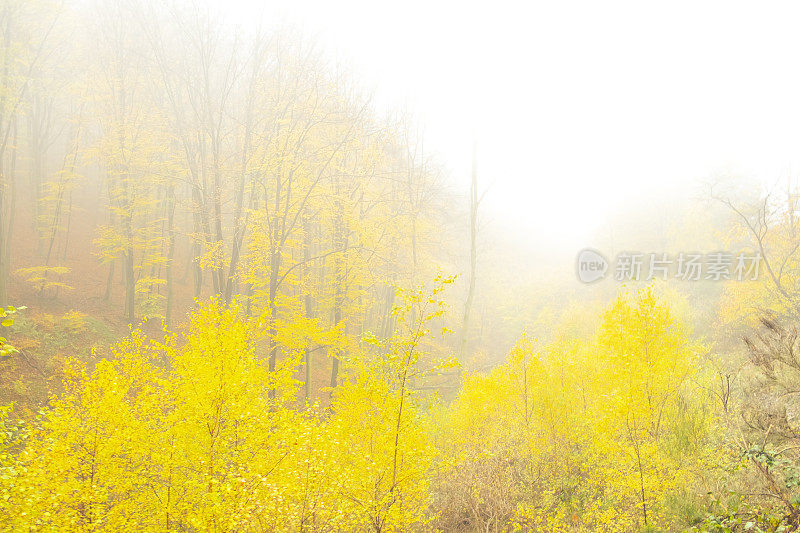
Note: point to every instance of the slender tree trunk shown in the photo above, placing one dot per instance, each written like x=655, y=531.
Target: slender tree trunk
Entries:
x=4, y=184
x=340, y=242
x=473, y=255
x=636, y=446
x=275, y=263
x=130, y=287
x=7, y=206
x=109, y=281
x=307, y=303
x=170, y=253
x=239, y=228
x=337, y=317
x=307, y=378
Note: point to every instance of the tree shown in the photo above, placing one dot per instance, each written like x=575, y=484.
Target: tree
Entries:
x=474, y=203
x=25, y=29
x=183, y=433
x=588, y=432
x=646, y=358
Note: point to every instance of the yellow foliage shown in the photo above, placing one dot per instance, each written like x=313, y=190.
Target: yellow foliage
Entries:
x=44, y=277
x=576, y=436
x=196, y=433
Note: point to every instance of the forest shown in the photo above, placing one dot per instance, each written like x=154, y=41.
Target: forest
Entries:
x=238, y=293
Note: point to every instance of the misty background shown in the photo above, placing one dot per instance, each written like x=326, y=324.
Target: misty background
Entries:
x=578, y=108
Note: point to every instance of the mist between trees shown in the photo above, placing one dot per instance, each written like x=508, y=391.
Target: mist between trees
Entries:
x=247, y=299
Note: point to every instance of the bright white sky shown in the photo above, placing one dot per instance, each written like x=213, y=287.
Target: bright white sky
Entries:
x=577, y=106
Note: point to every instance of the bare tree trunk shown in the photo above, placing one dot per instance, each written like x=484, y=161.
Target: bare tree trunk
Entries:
x=12, y=171
x=109, y=281
x=274, y=267
x=308, y=308
x=239, y=226
x=340, y=242
x=337, y=317
x=130, y=286
x=4, y=215
x=473, y=254
x=170, y=253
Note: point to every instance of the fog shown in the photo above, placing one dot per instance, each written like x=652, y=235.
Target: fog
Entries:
x=358, y=266
x=578, y=107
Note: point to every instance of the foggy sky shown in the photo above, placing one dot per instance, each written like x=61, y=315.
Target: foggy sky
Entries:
x=578, y=107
